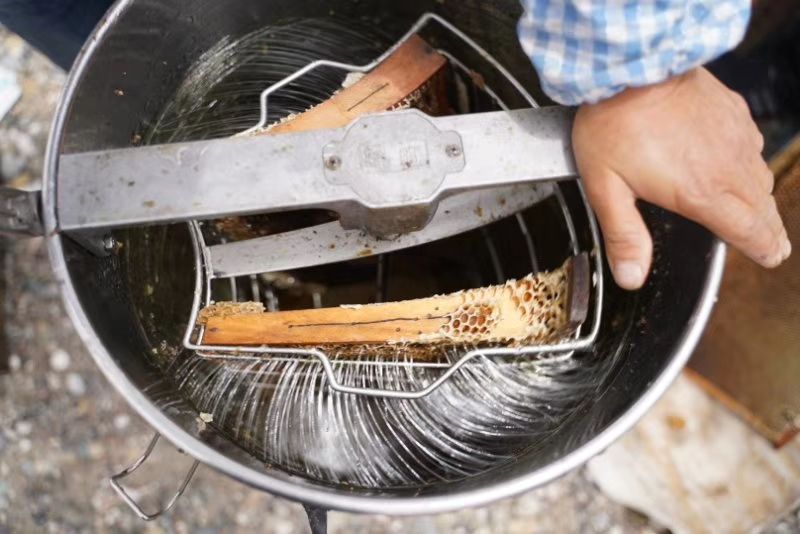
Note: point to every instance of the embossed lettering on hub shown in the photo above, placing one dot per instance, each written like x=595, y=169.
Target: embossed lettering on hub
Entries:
x=394, y=157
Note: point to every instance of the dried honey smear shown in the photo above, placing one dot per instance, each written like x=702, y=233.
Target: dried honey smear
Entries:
x=229, y=309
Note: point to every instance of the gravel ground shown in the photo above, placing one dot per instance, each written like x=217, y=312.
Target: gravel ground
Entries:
x=63, y=429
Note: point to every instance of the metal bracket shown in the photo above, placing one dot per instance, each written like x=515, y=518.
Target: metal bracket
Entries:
x=19, y=212
x=115, y=483
x=393, y=160
x=98, y=243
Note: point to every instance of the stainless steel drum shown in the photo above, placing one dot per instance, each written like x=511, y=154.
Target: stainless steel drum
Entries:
x=129, y=73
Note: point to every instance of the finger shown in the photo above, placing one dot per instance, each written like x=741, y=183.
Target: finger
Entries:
x=743, y=108
x=754, y=228
x=763, y=174
x=772, y=216
x=775, y=223
x=740, y=103
x=748, y=177
x=758, y=168
x=758, y=139
x=754, y=187
x=629, y=247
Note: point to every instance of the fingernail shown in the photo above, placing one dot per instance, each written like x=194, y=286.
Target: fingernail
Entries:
x=786, y=249
x=629, y=275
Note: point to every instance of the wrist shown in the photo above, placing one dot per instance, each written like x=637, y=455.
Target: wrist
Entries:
x=648, y=95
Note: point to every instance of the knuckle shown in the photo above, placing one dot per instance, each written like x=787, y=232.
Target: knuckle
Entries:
x=759, y=139
x=625, y=243
x=745, y=228
x=594, y=190
x=772, y=203
x=740, y=102
x=761, y=175
x=769, y=211
x=697, y=192
x=769, y=180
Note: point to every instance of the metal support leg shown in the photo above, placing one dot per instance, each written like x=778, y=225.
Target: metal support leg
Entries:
x=115, y=483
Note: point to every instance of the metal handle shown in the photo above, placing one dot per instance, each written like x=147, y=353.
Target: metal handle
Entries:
x=385, y=173
x=20, y=212
x=114, y=480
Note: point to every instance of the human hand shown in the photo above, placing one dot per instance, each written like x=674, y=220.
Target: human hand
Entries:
x=690, y=146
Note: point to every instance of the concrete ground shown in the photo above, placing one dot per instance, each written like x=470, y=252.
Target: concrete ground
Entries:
x=64, y=430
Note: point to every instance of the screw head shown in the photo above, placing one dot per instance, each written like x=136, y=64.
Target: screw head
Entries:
x=333, y=162
x=453, y=151
x=109, y=243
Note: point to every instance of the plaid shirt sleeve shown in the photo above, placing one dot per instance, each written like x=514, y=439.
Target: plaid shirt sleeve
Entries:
x=589, y=50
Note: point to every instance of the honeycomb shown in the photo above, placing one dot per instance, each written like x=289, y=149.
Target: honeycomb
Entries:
x=533, y=308
x=529, y=310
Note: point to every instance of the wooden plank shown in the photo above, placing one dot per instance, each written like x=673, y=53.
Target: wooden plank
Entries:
x=694, y=467
x=393, y=83
x=748, y=356
x=536, y=308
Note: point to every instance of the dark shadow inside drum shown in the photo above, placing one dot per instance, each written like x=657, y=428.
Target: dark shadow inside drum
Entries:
x=493, y=424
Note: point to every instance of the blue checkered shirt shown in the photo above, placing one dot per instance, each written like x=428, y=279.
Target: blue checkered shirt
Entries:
x=588, y=50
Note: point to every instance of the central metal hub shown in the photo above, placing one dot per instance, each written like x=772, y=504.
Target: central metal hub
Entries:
x=394, y=159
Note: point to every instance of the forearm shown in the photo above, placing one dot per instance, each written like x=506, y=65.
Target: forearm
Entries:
x=590, y=50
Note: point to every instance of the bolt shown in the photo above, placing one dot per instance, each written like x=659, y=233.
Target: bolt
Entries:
x=453, y=151
x=109, y=243
x=332, y=163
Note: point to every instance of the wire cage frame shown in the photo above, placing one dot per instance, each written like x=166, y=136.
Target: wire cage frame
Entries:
x=205, y=272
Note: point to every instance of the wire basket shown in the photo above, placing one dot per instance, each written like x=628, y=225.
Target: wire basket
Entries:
x=213, y=262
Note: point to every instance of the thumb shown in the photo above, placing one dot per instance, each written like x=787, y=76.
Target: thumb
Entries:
x=629, y=247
